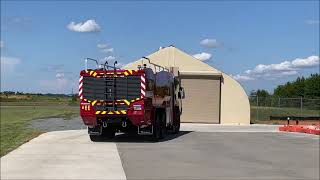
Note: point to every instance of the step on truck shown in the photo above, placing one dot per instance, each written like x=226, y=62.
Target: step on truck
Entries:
x=147, y=101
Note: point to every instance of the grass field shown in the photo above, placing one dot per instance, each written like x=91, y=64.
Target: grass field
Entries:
x=16, y=116
x=264, y=113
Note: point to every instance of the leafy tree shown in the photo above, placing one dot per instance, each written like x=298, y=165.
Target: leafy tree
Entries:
x=312, y=86
x=260, y=93
x=302, y=87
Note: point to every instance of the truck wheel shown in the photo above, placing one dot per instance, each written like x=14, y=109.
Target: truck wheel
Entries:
x=176, y=126
x=95, y=138
x=163, y=126
x=156, y=136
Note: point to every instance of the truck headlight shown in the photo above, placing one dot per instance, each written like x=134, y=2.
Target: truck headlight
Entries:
x=137, y=107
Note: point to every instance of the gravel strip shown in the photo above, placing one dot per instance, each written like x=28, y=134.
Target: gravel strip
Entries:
x=57, y=124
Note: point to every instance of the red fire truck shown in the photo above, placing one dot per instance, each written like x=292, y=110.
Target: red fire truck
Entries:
x=140, y=101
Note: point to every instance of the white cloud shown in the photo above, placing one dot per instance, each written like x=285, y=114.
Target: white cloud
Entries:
x=289, y=73
x=7, y=62
x=262, y=68
x=8, y=66
x=312, y=22
x=110, y=58
x=105, y=48
x=59, y=75
x=62, y=83
x=203, y=56
x=55, y=85
x=239, y=77
x=285, y=68
x=87, y=26
x=102, y=46
x=210, y=43
x=1, y=44
x=310, y=61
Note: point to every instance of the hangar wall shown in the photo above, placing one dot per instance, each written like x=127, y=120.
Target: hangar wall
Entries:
x=235, y=107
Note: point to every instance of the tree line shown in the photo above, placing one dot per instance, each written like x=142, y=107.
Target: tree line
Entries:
x=7, y=93
x=306, y=87
x=304, y=91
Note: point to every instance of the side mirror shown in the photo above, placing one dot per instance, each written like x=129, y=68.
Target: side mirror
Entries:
x=181, y=93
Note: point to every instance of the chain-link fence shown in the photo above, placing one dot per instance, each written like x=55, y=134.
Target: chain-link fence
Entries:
x=264, y=108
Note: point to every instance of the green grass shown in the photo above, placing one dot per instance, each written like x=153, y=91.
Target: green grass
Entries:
x=15, y=118
x=264, y=113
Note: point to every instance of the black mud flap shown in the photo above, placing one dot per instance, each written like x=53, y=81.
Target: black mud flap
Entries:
x=97, y=130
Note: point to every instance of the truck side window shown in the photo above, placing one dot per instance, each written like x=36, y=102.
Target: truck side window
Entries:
x=149, y=80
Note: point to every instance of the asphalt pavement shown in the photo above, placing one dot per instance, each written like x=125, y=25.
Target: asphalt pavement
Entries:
x=223, y=155
x=199, y=151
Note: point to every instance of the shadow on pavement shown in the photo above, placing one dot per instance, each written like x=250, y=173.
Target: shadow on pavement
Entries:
x=135, y=138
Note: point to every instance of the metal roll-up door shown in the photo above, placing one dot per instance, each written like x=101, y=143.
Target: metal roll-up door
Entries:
x=202, y=101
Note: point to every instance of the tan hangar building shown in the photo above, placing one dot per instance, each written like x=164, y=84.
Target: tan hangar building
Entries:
x=211, y=95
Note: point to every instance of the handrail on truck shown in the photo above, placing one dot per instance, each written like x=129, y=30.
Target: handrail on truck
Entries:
x=97, y=64
x=155, y=65
x=86, y=62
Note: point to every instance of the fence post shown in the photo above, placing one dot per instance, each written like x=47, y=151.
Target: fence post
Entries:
x=257, y=108
x=301, y=106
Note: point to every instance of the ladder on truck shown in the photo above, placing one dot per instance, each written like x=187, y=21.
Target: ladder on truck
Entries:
x=110, y=84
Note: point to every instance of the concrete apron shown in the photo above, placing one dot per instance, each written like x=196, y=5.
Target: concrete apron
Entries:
x=63, y=155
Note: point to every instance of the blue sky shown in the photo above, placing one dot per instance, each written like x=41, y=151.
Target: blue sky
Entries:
x=262, y=44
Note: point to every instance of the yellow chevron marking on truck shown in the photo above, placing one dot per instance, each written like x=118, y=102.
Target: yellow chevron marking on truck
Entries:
x=111, y=112
x=123, y=112
x=94, y=74
x=130, y=71
x=126, y=73
x=90, y=73
x=127, y=102
x=94, y=102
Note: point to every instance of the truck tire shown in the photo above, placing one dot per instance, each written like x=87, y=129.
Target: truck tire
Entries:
x=163, y=126
x=176, y=125
x=156, y=136
x=95, y=138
